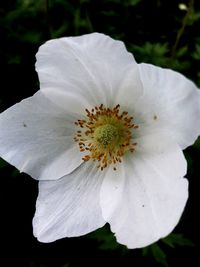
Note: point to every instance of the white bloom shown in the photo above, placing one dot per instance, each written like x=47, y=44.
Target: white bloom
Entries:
x=104, y=135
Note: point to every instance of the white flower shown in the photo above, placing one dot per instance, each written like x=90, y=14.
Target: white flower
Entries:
x=104, y=135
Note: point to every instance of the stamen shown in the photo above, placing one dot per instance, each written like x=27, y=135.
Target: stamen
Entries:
x=106, y=135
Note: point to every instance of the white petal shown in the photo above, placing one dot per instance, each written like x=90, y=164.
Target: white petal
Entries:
x=69, y=206
x=173, y=100
x=144, y=199
x=89, y=70
x=37, y=137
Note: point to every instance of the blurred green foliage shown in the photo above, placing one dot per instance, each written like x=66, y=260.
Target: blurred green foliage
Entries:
x=172, y=240
x=155, y=31
x=29, y=23
x=107, y=241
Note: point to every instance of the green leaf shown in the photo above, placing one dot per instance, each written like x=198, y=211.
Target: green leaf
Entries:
x=132, y=2
x=194, y=17
x=157, y=253
x=107, y=240
x=182, y=51
x=3, y=163
x=196, y=54
x=177, y=240
x=197, y=143
x=155, y=53
x=60, y=31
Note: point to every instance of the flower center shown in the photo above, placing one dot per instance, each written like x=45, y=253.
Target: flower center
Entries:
x=105, y=135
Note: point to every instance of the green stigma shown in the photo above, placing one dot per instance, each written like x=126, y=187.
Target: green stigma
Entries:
x=107, y=134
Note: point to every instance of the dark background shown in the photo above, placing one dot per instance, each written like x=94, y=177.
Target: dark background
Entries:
x=158, y=32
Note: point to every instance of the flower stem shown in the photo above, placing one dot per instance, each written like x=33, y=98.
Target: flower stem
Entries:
x=181, y=30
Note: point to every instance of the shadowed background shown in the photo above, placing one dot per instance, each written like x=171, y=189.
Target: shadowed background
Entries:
x=165, y=33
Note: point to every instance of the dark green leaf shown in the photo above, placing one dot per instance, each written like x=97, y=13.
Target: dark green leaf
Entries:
x=174, y=240
x=156, y=252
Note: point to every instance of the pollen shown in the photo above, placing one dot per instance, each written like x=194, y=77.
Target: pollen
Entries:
x=105, y=136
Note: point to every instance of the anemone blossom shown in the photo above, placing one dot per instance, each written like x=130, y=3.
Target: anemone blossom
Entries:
x=104, y=137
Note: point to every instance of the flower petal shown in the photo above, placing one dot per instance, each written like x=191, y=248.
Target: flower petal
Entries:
x=173, y=100
x=69, y=206
x=144, y=199
x=89, y=70
x=37, y=137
